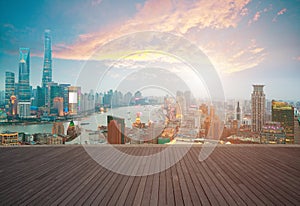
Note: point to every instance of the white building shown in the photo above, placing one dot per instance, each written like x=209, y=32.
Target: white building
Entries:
x=24, y=109
x=258, y=102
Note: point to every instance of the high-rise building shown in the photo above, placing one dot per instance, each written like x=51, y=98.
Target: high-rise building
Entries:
x=258, y=100
x=116, y=130
x=284, y=113
x=74, y=100
x=24, y=109
x=2, y=97
x=24, y=93
x=54, y=91
x=272, y=132
x=238, y=112
x=47, y=69
x=187, y=97
x=65, y=94
x=25, y=54
x=40, y=96
x=9, y=86
x=58, y=106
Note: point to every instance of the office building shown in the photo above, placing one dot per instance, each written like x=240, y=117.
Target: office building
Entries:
x=40, y=96
x=116, y=130
x=238, y=112
x=272, y=133
x=65, y=94
x=58, y=106
x=284, y=113
x=54, y=91
x=9, y=86
x=2, y=97
x=258, y=100
x=47, y=69
x=24, y=92
x=23, y=109
x=187, y=98
x=74, y=100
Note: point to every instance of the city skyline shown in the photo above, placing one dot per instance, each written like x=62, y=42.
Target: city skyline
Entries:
x=250, y=42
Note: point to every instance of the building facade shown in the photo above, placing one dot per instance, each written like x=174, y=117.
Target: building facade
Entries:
x=24, y=92
x=9, y=86
x=74, y=100
x=9, y=138
x=47, y=68
x=258, y=100
x=272, y=133
x=284, y=113
x=24, y=109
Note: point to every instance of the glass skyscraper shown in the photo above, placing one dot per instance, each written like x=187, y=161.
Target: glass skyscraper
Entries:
x=24, y=74
x=47, y=69
x=9, y=86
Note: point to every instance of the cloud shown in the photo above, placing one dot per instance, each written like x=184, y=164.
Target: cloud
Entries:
x=190, y=19
x=297, y=58
x=281, y=12
x=238, y=57
x=96, y=2
x=256, y=16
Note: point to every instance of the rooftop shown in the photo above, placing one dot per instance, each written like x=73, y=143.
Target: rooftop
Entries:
x=232, y=175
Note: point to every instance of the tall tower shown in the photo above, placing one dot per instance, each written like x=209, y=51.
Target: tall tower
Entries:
x=47, y=69
x=238, y=112
x=24, y=73
x=258, y=100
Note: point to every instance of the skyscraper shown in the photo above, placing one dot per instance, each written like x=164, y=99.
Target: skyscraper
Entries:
x=74, y=100
x=238, y=112
x=9, y=86
x=284, y=113
x=258, y=100
x=25, y=54
x=47, y=69
x=24, y=93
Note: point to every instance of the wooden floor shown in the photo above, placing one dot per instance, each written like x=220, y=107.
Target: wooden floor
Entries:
x=232, y=175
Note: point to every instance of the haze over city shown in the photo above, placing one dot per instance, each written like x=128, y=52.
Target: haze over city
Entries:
x=248, y=42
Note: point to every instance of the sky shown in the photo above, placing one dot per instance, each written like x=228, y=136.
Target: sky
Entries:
x=136, y=44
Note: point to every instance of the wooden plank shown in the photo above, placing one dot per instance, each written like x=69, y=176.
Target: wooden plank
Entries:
x=102, y=187
x=125, y=191
x=155, y=184
x=31, y=185
x=136, y=182
x=115, y=191
x=193, y=173
x=249, y=181
x=270, y=187
x=186, y=193
x=231, y=175
x=170, y=195
x=56, y=186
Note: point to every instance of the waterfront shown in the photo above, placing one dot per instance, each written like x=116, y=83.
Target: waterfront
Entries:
x=148, y=112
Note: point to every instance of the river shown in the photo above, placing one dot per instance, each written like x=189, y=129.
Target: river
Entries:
x=148, y=112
